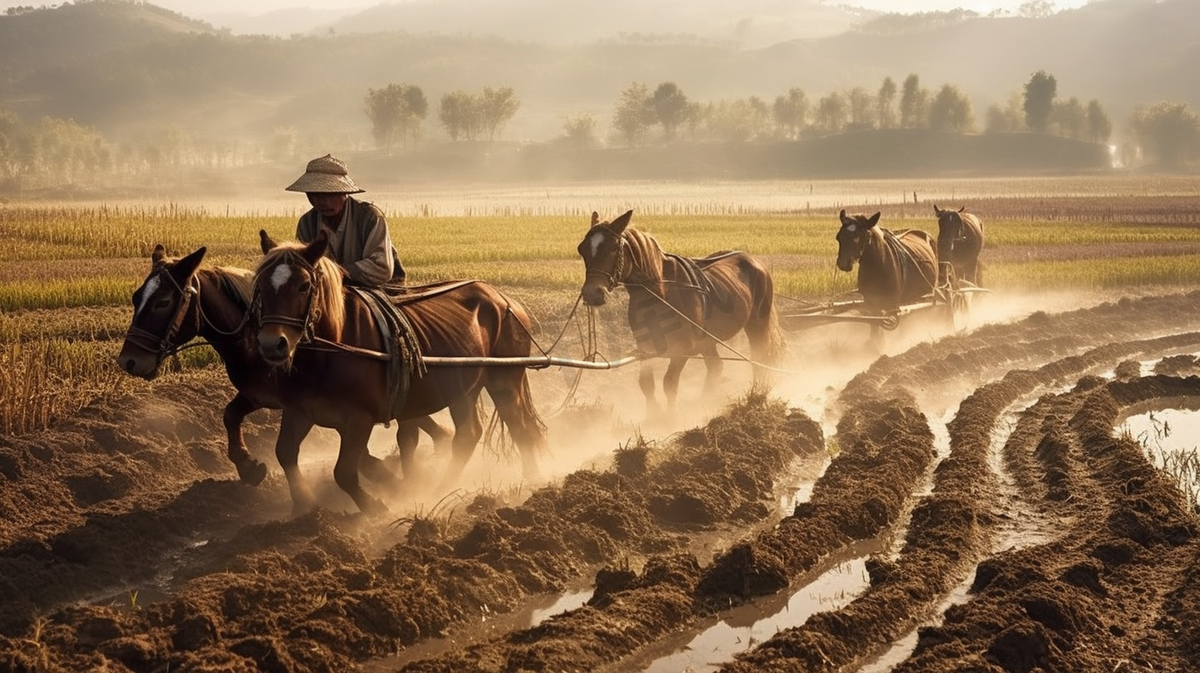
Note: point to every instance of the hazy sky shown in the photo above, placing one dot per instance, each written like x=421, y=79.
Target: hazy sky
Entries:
x=199, y=7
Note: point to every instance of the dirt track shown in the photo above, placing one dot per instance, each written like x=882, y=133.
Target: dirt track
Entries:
x=128, y=544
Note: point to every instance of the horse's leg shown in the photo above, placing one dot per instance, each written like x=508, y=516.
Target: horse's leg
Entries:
x=713, y=366
x=468, y=430
x=293, y=428
x=377, y=470
x=351, y=456
x=249, y=470
x=647, y=384
x=671, y=382
x=408, y=434
x=510, y=392
x=440, y=435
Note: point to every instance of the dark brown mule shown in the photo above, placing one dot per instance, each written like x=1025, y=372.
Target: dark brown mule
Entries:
x=180, y=301
x=680, y=307
x=326, y=336
x=959, y=242
x=893, y=268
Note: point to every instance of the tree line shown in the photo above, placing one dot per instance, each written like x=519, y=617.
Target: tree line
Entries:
x=1163, y=133
x=52, y=151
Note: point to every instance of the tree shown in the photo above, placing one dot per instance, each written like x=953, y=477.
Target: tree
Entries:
x=579, y=130
x=1099, y=128
x=861, y=107
x=670, y=107
x=739, y=120
x=459, y=114
x=1040, y=91
x=1007, y=118
x=385, y=107
x=830, y=116
x=1036, y=9
x=914, y=103
x=790, y=112
x=396, y=112
x=416, y=108
x=950, y=111
x=1069, y=118
x=885, y=100
x=632, y=115
x=496, y=108
x=1168, y=133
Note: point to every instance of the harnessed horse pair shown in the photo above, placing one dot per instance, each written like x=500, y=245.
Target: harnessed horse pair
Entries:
x=348, y=388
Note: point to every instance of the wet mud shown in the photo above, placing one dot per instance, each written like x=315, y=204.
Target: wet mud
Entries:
x=127, y=543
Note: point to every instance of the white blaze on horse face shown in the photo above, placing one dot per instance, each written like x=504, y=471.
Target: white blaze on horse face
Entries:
x=852, y=228
x=280, y=275
x=148, y=291
x=594, y=240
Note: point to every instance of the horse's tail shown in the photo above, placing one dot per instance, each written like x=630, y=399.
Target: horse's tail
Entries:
x=763, y=327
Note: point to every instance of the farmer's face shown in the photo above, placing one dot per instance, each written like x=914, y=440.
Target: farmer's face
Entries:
x=329, y=205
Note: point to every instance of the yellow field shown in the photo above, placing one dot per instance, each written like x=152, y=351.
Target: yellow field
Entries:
x=67, y=271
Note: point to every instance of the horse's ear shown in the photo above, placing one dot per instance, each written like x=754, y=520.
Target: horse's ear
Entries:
x=314, y=251
x=618, y=225
x=595, y=218
x=873, y=221
x=159, y=254
x=268, y=244
x=185, y=267
x=962, y=209
x=842, y=216
x=936, y=210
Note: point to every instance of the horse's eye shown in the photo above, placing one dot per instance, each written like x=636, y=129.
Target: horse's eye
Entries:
x=161, y=304
x=305, y=287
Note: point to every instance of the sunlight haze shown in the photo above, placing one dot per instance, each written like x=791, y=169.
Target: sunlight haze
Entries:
x=209, y=7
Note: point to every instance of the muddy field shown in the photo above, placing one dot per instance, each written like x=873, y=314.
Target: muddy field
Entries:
x=1001, y=519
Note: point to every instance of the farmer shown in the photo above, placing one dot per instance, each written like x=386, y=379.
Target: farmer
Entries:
x=358, y=234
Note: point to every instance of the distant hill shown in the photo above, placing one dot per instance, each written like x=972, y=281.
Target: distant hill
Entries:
x=135, y=71
x=747, y=23
x=280, y=23
x=69, y=33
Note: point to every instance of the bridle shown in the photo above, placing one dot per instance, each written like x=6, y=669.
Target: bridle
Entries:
x=165, y=346
x=312, y=312
x=960, y=236
x=617, y=274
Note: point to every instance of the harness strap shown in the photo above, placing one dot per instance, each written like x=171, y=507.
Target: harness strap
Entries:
x=400, y=340
x=696, y=279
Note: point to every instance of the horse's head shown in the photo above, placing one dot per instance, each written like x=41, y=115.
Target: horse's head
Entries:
x=604, y=258
x=296, y=288
x=161, y=306
x=852, y=238
x=950, y=230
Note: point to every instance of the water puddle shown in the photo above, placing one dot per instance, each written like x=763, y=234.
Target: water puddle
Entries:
x=747, y=626
x=489, y=626
x=1169, y=432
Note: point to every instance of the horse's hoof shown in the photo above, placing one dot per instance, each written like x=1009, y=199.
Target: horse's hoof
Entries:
x=252, y=472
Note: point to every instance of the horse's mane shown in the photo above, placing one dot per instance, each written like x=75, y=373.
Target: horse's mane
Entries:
x=240, y=280
x=331, y=299
x=647, y=254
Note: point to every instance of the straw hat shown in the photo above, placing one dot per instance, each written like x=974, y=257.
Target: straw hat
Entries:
x=325, y=174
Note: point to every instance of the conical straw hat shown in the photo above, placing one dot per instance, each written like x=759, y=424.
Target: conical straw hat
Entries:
x=325, y=174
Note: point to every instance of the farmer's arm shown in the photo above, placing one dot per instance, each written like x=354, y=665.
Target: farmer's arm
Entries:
x=375, y=267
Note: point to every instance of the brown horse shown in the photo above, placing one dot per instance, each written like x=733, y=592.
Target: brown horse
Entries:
x=180, y=301
x=680, y=307
x=330, y=341
x=959, y=242
x=893, y=268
